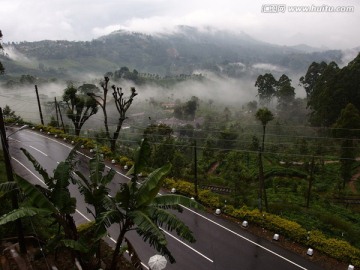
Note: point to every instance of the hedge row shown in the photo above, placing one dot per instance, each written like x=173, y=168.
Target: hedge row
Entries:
x=338, y=249
x=86, y=142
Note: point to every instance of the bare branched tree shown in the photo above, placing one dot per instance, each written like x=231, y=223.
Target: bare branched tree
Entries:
x=122, y=105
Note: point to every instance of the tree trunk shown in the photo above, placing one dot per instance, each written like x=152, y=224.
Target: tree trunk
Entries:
x=311, y=178
x=261, y=169
x=262, y=188
x=107, y=133
x=116, y=135
x=118, y=245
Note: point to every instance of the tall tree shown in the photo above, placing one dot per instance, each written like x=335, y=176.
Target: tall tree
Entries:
x=266, y=85
x=322, y=102
x=347, y=128
x=333, y=90
x=313, y=73
x=88, y=88
x=190, y=108
x=162, y=144
x=2, y=69
x=122, y=105
x=238, y=175
x=80, y=107
x=285, y=93
x=10, y=115
x=227, y=139
x=264, y=115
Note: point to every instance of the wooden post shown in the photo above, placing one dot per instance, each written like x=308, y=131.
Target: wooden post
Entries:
x=260, y=191
x=195, y=171
x=62, y=122
x=10, y=177
x=311, y=178
x=57, y=114
x=38, y=100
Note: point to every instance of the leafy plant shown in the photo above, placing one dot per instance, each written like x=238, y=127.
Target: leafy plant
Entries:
x=140, y=208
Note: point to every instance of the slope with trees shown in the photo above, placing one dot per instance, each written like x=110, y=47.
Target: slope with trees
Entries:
x=333, y=90
x=181, y=52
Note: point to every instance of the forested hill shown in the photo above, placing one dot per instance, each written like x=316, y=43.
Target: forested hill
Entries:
x=181, y=52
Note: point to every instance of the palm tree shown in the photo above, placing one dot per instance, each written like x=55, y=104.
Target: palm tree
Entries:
x=141, y=208
x=264, y=115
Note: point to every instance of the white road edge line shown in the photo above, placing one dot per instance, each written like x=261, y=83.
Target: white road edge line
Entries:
x=29, y=171
x=67, y=146
x=239, y=235
x=42, y=182
x=81, y=214
x=210, y=260
x=12, y=139
x=38, y=150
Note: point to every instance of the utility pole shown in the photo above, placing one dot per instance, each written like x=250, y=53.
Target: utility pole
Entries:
x=10, y=177
x=57, y=114
x=262, y=189
x=195, y=171
x=311, y=179
x=260, y=192
x=38, y=100
x=62, y=122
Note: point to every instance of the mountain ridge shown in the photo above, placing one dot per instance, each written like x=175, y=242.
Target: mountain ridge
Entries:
x=180, y=52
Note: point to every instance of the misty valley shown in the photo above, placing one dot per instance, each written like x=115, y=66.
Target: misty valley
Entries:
x=264, y=133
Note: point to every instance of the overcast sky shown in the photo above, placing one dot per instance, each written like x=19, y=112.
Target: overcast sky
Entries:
x=33, y=20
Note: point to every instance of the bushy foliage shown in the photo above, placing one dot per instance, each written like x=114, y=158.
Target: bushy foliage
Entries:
x=10, y=116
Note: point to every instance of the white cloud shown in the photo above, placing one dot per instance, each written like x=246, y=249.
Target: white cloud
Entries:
x=268, y=67
x=85, y=20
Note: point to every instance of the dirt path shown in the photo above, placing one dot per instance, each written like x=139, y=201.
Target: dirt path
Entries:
x=213, y=167
x=353, y=179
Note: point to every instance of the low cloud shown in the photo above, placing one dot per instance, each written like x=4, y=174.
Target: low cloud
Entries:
x=15, y=55
x=268, y=67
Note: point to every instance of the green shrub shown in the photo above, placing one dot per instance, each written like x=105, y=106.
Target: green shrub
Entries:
x=129, y=163
x=105, y=150
x=207, y=198
x=123, y=160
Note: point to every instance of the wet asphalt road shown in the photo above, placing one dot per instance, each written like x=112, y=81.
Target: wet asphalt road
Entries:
x=220, y=244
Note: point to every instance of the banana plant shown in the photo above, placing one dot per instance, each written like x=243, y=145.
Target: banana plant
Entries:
x=96, y=193
x=94, y=188
x=140, y=207
x=52, y=200
x=58, y=193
